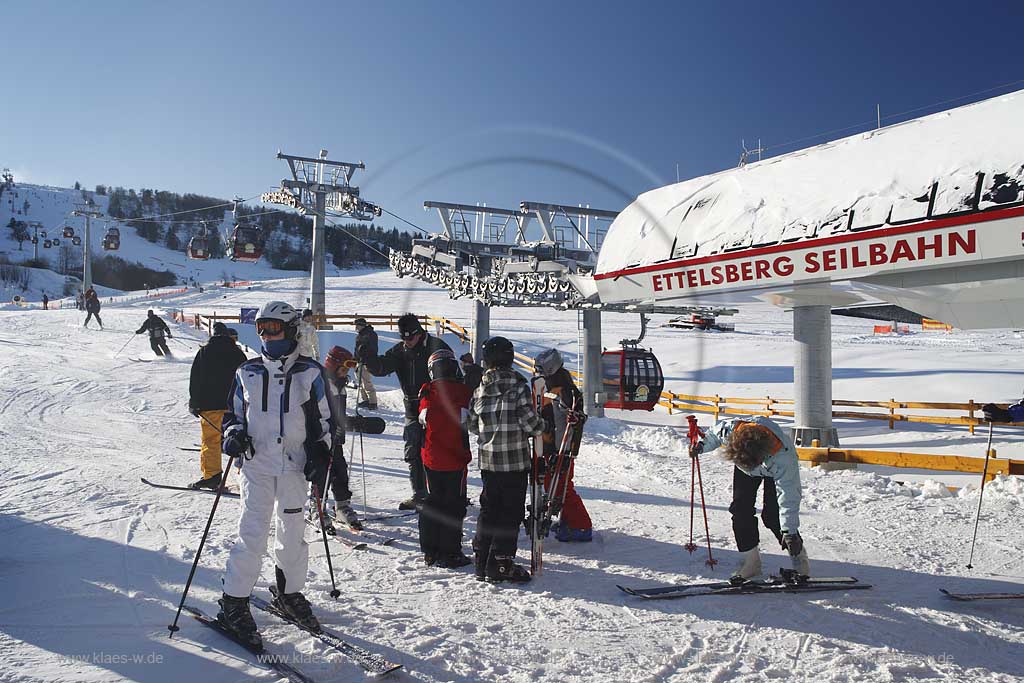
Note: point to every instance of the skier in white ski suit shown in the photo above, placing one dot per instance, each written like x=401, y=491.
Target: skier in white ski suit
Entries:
x=279, y=421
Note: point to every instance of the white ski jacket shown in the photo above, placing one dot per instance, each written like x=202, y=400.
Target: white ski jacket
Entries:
x=283, y=406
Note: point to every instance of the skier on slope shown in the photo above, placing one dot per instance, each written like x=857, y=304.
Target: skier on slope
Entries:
x=408, y=360
x=279, y=421
x=157, y=329
x=309, y=343
x=444, y=403
x=564, y=411
x=760, y=452
x=209, y=384
x=92, y=307
x=503, y=417
x=338, y=362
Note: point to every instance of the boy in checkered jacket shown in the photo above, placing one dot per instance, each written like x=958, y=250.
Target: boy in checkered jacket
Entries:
x=503, y=417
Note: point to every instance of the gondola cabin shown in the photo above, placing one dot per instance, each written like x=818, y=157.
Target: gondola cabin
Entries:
x=47, y=244
x=69, y=232
x=112, y=240
x=198, y=248
x=55, y=241
x=76, y=240
x=246, y=244
x=632, y=378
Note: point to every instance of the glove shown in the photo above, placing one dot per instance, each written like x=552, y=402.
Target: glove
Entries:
x=193, y=411
x=575, y=417
x=994, y=413
x=318, y=460
x=792, y=542
x=170, y=336
x=235, y=442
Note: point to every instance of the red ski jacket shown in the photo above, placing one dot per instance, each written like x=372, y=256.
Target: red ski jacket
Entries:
x=443, y=407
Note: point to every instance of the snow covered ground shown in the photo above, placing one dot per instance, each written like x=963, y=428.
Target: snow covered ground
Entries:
x=93, y=560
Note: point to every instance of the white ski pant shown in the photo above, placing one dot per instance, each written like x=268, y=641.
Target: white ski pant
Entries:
x=291, y=552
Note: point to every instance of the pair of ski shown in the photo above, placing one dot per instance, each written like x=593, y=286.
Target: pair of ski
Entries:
x=544, y=502
x=170, y=487
x=773, y=584
x=370, y=662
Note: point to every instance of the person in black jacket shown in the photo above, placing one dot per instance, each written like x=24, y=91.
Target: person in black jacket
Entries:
x=366, y=345
x=209, y=385
x=408, y=360
x=471, y=370
x=92, y=307
x=157, y=329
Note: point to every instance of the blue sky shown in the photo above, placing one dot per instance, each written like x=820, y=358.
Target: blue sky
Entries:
x=472, y=102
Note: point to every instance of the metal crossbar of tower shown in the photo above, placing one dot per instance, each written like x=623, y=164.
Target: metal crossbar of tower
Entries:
x=316, y=186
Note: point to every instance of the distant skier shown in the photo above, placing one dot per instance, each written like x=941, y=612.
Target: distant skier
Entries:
x=279, y=422
x=444, y=404
x=158, y=333
x=503, y=417
x=92, y=307
x=408, y=360
x=471, y=371
x=366, y=345
x=209, y=384
x=46, y=302
x=338, y=362
x=760, y=452
x=309, y=344
x=564, y=411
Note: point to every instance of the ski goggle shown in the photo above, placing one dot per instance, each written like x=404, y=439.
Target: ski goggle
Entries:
x=269, y=326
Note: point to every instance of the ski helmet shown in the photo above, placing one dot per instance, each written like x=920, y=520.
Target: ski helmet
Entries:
x=548, y=362
x=337, y=357
x=442, y=365
x=283, y=313
x=498, y=353
x=307, y=312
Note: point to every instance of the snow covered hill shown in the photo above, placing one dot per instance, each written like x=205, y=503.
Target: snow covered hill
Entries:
x=51, y=206
x=93, y=561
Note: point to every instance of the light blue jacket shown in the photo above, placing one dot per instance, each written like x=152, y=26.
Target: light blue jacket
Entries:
x=783, y=467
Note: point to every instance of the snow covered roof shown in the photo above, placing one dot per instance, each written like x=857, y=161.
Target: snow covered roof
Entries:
x=881, y=175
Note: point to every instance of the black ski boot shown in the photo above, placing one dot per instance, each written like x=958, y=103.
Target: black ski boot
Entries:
x=235, y=616
x=346, y=514
x=453, y=561
x=212, y=483
x=295, y=605
x=480, y=559
x=503, y=568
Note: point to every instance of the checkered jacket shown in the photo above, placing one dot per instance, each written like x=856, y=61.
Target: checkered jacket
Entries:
x=503, y=417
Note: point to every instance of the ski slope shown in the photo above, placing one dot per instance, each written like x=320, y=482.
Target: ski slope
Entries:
x=94, y=561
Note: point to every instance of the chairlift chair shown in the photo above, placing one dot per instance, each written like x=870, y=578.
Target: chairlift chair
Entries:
x=631, y=375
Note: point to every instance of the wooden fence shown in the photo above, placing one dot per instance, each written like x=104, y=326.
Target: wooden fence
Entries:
x=917, y=461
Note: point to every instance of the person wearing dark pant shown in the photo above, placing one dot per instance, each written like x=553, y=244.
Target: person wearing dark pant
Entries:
x=760, y=451
x=744, y=515
x=408, y=360
x=503, y=417
x=443, y=404
x=158, y=332
x=412, y=436
x=502, y=510
x=441, y=519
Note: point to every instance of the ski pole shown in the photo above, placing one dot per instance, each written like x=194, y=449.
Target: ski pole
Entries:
x=125, y=346
x=981, y=494
x=693, y=432
x=362, y=451
x=323, y=532
x=173, y=627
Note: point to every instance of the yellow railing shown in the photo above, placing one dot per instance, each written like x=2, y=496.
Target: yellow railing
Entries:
x=918, y=461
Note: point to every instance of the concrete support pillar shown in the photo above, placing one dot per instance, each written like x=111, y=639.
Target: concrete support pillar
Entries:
x=592, y=363
x=317, y=279
x=812, y=376
x=481, y=328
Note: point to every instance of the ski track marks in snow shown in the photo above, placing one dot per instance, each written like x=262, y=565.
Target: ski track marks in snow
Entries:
x=94, y=560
